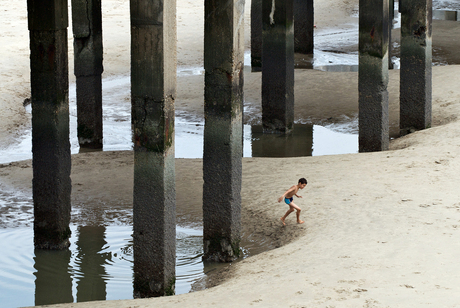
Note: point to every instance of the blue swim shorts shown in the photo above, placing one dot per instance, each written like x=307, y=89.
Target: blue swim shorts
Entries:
x=288, y=200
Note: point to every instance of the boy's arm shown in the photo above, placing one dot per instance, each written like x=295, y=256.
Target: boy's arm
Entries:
x=287, y=191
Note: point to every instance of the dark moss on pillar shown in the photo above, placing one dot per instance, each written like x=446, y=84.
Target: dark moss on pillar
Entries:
x=303, y=26
x=88, y=68
x=373, y=75
x=153, y=90
x=416, y=74
x=51, y=160
x=223, y=133
x=278, y=66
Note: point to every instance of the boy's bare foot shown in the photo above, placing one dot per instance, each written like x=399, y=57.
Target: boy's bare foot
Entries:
x=300, y=221
x=282, y=220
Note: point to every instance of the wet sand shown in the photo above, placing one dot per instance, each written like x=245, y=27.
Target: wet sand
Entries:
x=381, y=229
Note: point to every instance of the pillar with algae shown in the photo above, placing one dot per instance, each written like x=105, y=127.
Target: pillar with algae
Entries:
x=278, y=66
x=416, y=75
x=49, y=79
x=153, y=90
x=303, y=26
x=373, y=75
x=88, y=68
x=223, y=133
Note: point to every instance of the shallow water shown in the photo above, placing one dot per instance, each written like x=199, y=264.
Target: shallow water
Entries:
x=98, y=266
x=338, y=139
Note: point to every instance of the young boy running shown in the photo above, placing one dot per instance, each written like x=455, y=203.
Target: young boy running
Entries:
x=288, y=197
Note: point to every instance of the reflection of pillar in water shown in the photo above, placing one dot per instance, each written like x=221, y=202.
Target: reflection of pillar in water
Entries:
x=416, y=74
x=298, y=143
x=49, y=81
x=153, y=90
x=91, y=240
x=53, y=282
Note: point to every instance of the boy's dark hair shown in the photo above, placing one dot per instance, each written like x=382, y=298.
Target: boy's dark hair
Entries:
x=302, y=181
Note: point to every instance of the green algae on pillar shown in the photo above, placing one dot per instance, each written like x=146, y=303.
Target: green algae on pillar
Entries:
x=87, y=32
x=373, y=75
x=416, y=74
x=278, y=66
x=223, y=132
x=49, y=79
x=153, y=89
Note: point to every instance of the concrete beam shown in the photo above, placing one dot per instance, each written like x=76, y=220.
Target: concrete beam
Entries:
x=373, y=75
x=49, y=78
x=416, y=58
x=223, y=133
x=153, y=90
x=278, y=66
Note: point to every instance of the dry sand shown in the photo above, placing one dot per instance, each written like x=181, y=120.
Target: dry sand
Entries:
x=381, y=229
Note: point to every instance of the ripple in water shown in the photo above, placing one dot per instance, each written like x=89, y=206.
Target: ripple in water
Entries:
x=98, y=266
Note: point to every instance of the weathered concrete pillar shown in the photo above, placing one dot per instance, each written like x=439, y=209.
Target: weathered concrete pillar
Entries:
x=87, y=32
x=278, y=66
x=223, y=132
x=153, y=89
x=415, y=83
x=373, y=75
x=256, y=35
x=303, y=26
x=49, y=80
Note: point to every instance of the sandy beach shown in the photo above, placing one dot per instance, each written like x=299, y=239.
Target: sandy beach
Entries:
x=381, y=229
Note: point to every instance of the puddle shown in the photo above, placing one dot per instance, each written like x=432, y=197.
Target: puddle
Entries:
x=97, y=266
x=446, y=15
x=188, y=133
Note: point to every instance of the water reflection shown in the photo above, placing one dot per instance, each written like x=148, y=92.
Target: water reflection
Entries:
x=53, y=281
x=97, y=266
x=91, y=283
x=304, y=140
x=446, y=15
x=297, y=143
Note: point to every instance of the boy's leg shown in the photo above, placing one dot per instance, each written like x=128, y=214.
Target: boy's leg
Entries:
x=291, y=209
x=298, y=209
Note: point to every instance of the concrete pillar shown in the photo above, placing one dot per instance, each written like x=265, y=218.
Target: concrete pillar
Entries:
x=87, y=32
x=49, y=80
x=415, y=83
x=153, y=89
x=256, y=35
x=303, y=26
x=223, y=132
x=373, y=75
x=278, y=66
